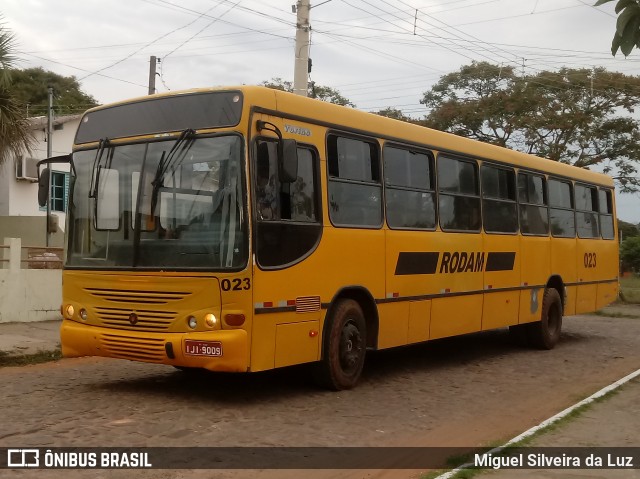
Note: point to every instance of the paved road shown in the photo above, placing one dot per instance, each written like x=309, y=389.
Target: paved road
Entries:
x=463, y=391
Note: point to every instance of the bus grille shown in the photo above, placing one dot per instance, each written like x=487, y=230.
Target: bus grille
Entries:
x=148, y=320
x=139, y=297
x=307, y=304
x=135, y=349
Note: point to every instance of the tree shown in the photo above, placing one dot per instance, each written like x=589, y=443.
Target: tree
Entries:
x=576, y=116
x=15, y=133
x=324, y=93
x=627, y=35
x=627, y=230
x=394, y=113
x=30, y=87
x=630, y=253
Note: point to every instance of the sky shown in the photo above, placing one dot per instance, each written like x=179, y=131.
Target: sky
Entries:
x=377, y=53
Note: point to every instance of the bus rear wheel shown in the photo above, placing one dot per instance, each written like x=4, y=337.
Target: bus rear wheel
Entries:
x=545, y=334
x=345, y=347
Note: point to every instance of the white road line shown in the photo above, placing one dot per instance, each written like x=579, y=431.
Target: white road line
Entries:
x=546, y=422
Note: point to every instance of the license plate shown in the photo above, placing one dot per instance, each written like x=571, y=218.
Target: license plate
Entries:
x=202, y=348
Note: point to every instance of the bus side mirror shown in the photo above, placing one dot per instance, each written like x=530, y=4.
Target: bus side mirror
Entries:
x=43, y=187
x=288, y=161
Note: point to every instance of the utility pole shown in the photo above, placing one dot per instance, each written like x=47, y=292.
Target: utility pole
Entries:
x=49, y=155
x=152, y=74
x=303, y=34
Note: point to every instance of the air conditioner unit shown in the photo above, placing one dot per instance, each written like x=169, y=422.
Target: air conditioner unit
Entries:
x=27, y=169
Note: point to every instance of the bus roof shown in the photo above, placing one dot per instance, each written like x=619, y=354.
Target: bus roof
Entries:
x=299, y=108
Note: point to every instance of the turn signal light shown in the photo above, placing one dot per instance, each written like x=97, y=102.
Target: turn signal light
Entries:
x=234, y=319
x=69, y=311
x=210, y=320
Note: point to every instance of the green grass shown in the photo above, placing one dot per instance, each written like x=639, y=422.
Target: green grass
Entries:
x=26, y=359
x=604, y=312
x=630, y=289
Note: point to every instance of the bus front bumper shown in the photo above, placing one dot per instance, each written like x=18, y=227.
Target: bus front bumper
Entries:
x=220, y=350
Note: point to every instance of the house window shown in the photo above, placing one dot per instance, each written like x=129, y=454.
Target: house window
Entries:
x=59, y=191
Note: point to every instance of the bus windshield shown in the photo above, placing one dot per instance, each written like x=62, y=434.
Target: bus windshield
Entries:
x=162, y=205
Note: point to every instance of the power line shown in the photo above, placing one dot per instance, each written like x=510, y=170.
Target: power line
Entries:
x=457, y=30
x=145, y=46
x=410, y=31
x=202, y=29
x=82, y=69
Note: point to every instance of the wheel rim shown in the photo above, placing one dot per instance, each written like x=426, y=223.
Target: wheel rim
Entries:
x=351, y=347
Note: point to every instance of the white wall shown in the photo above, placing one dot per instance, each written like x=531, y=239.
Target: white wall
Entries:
x=27, y=294
x=30, y=295
x=23, y=195
x=7, y=176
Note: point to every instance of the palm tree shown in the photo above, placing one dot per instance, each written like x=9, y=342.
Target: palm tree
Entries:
x=15, y=134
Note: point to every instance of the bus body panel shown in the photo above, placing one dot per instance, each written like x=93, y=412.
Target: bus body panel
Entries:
x=362, y=251
x=595, y=260
x=458, y=309
x=535, y=258
x=501, y=308
x=419, y=320
x=563, y=265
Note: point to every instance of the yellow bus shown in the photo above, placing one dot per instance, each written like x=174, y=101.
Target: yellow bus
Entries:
x=244, y=229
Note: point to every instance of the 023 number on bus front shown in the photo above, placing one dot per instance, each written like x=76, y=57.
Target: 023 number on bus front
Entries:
x=236, y=284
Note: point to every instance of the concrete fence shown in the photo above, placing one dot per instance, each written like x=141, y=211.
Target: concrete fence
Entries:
x=30, y=282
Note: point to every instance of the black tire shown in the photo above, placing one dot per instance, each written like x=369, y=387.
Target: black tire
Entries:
x=344, y=347
x=544, y=334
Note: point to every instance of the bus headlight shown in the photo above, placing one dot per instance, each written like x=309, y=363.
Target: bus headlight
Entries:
x=192, y=322
x=83, y=314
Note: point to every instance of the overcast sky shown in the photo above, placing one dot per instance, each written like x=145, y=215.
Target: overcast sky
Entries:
x=377, y=53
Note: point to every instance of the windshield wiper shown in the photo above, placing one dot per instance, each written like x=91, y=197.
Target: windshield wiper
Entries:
x=184, y=141
x=97, y=166
x=182, y=144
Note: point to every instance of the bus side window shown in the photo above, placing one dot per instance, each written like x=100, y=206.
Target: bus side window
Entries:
x=606, y=214
x=499, y=200
x=288, y=227
x=534, y=213
x=284, y=201
x=267, y=184
x=303, y=191
x=561, y=213
x=355, y=191
x=458, y=194
x=587, y=211
x=409, y=195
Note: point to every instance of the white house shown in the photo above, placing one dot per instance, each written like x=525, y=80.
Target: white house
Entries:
x=18, y=180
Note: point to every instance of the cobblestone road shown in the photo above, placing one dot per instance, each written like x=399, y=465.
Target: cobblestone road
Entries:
x=462, y=391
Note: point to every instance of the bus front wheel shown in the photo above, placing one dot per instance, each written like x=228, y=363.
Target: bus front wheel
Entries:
x=345, y=347
x=544, y=334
